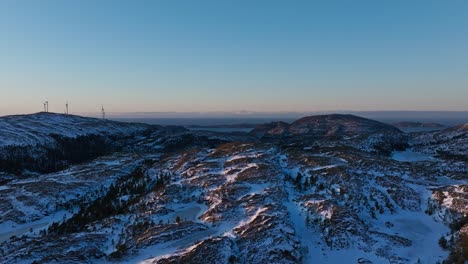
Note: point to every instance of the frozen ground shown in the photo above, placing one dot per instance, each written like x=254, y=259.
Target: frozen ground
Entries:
x=411, y=156
x=208, y=198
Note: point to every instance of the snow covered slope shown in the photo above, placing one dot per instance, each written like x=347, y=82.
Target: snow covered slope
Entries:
x=451, y=142
x=47, y=142
x=177, y=196
x=36, y=129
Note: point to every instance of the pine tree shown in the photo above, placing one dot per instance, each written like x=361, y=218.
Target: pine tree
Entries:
x=443, y=242
x=298, y=180
x=306, y=184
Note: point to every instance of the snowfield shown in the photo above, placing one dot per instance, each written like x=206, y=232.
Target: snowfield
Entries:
x=411, y=156
x=31, y=130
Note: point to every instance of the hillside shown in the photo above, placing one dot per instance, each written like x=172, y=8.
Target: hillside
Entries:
x=319, y=190
x=349, y=130
x=451, y=142
x=38, y=129
x=335, y=125
x=46, y=142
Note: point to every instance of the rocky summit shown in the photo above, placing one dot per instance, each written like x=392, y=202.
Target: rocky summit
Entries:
x=322, y=189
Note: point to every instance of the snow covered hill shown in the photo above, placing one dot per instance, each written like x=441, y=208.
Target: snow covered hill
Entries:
x=168, y=195
x=337, y=129
x=451, y=142
x=37, y=129
x=326, y=125
x=47, y=142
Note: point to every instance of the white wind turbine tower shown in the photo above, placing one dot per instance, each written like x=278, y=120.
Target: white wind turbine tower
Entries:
x=46, y=106
x=103, y=112
x=66, y=108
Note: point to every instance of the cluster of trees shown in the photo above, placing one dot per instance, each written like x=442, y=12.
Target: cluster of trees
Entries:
x=443, y=243
x=120, y=250
x=54, y=157
x=458, y=223
x=132, y=186
x=457, y=244
x=82, y=148
x=133, y=230
x=140, y=227
x=13, y=159
x=447, y=155
x=304, y=183
x=458, y=248
x=378, y=207
x=161, y=180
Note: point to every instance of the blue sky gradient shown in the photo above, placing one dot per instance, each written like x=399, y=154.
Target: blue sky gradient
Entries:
x=135, y=56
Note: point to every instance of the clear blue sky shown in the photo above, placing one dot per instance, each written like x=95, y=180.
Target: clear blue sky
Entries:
x=233, y=55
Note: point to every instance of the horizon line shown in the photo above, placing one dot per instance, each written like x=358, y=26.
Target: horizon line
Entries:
x=245, y=112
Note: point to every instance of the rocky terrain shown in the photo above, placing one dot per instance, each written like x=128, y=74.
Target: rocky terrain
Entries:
x=451, y=142
x=322, y=189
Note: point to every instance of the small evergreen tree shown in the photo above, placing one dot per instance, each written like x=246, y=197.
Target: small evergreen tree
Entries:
x=443, y=242
x=298, y=180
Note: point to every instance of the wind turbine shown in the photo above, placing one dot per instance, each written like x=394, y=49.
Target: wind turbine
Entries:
x=66, y=107
x=103, y=112
x=46, y=106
